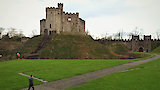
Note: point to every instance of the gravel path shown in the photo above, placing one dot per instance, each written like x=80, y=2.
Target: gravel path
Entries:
x=33, y=77
x=84, y=78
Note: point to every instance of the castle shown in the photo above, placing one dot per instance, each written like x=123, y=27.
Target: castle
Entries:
x=135, y=44
x=57, y=21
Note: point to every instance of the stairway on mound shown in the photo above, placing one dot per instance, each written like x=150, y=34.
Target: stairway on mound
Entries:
x=44, y=42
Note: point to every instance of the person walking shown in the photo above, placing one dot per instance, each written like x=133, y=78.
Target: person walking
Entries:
x=31, y=82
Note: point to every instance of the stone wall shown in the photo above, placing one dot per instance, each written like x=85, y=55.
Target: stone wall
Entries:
x=42, y=25
x=135, y=43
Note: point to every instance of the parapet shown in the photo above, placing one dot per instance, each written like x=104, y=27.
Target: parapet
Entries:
x=59, y=5
x=113, y=40
x=69, y=13
x=155, y=40
x=50, y=8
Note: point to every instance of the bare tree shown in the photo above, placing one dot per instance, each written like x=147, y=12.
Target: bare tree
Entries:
x=33, y=33
x=87, y=32
x=137, y=31
x=117, y=35
x=12, y=32
x=20, y=34
x=109, y=38
x=104, y=36
x=130, y=35
x=120, y=35
x=1, y=30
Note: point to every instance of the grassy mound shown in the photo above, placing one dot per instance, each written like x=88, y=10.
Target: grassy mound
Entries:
x=8, y=46
x=75, y=46
x=69, y=46
x=157, y=50
x=30, y=46
x=121, y=51
x=119, y=48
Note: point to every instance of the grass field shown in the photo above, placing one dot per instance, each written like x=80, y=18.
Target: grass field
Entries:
x=49, y=70
x=157, y=50
x=145, y=78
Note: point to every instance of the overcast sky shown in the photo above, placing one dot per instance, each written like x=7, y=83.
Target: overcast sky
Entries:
x=101, y=16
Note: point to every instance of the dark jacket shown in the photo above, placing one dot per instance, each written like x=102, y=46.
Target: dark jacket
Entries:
x=31, y=81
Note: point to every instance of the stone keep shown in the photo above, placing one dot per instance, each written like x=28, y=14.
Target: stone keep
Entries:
x=57, y=21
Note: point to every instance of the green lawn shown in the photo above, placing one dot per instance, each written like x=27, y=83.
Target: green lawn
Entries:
x=145, y=78
x=157, y=50
x=49, y=70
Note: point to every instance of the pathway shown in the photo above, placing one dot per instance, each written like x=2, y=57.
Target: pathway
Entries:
x=84, y=78
x=33, y=77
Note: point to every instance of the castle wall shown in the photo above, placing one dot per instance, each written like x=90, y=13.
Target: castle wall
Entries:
x=42, y=26
x=147, y=44
x=81, y=26
x=127, y=43
x=70, y=22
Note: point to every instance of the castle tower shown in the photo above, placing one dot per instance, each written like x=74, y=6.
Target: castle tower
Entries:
x=57, y=21
x=147, y=43
x=60, y=6
x=134, y=42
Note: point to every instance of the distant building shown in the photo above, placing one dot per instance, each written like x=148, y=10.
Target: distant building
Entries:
x=135, y=44
x=58, y=21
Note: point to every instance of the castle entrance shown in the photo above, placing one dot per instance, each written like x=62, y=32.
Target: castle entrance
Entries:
x=140, y=49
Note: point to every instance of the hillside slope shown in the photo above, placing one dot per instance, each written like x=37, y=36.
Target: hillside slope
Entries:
x=157, y=50
x=70, y=47
x=73, y=46
x=8, y=45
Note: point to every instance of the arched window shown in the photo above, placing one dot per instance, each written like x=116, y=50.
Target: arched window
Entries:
x=50, y=26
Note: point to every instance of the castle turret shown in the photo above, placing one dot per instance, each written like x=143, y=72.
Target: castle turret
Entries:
x=147, y=37
x=60, y=6
x=147, y=43
x=134, y=42
x=135, y=37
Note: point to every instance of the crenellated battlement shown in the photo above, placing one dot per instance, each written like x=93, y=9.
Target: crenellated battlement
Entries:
x=125, y=40
x=60, y=4
x=114, y=40
x=69, y=13
x=50, y=8
x=155, y=40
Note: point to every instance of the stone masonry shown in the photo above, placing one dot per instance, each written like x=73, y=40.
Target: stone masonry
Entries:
x=57, y=21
